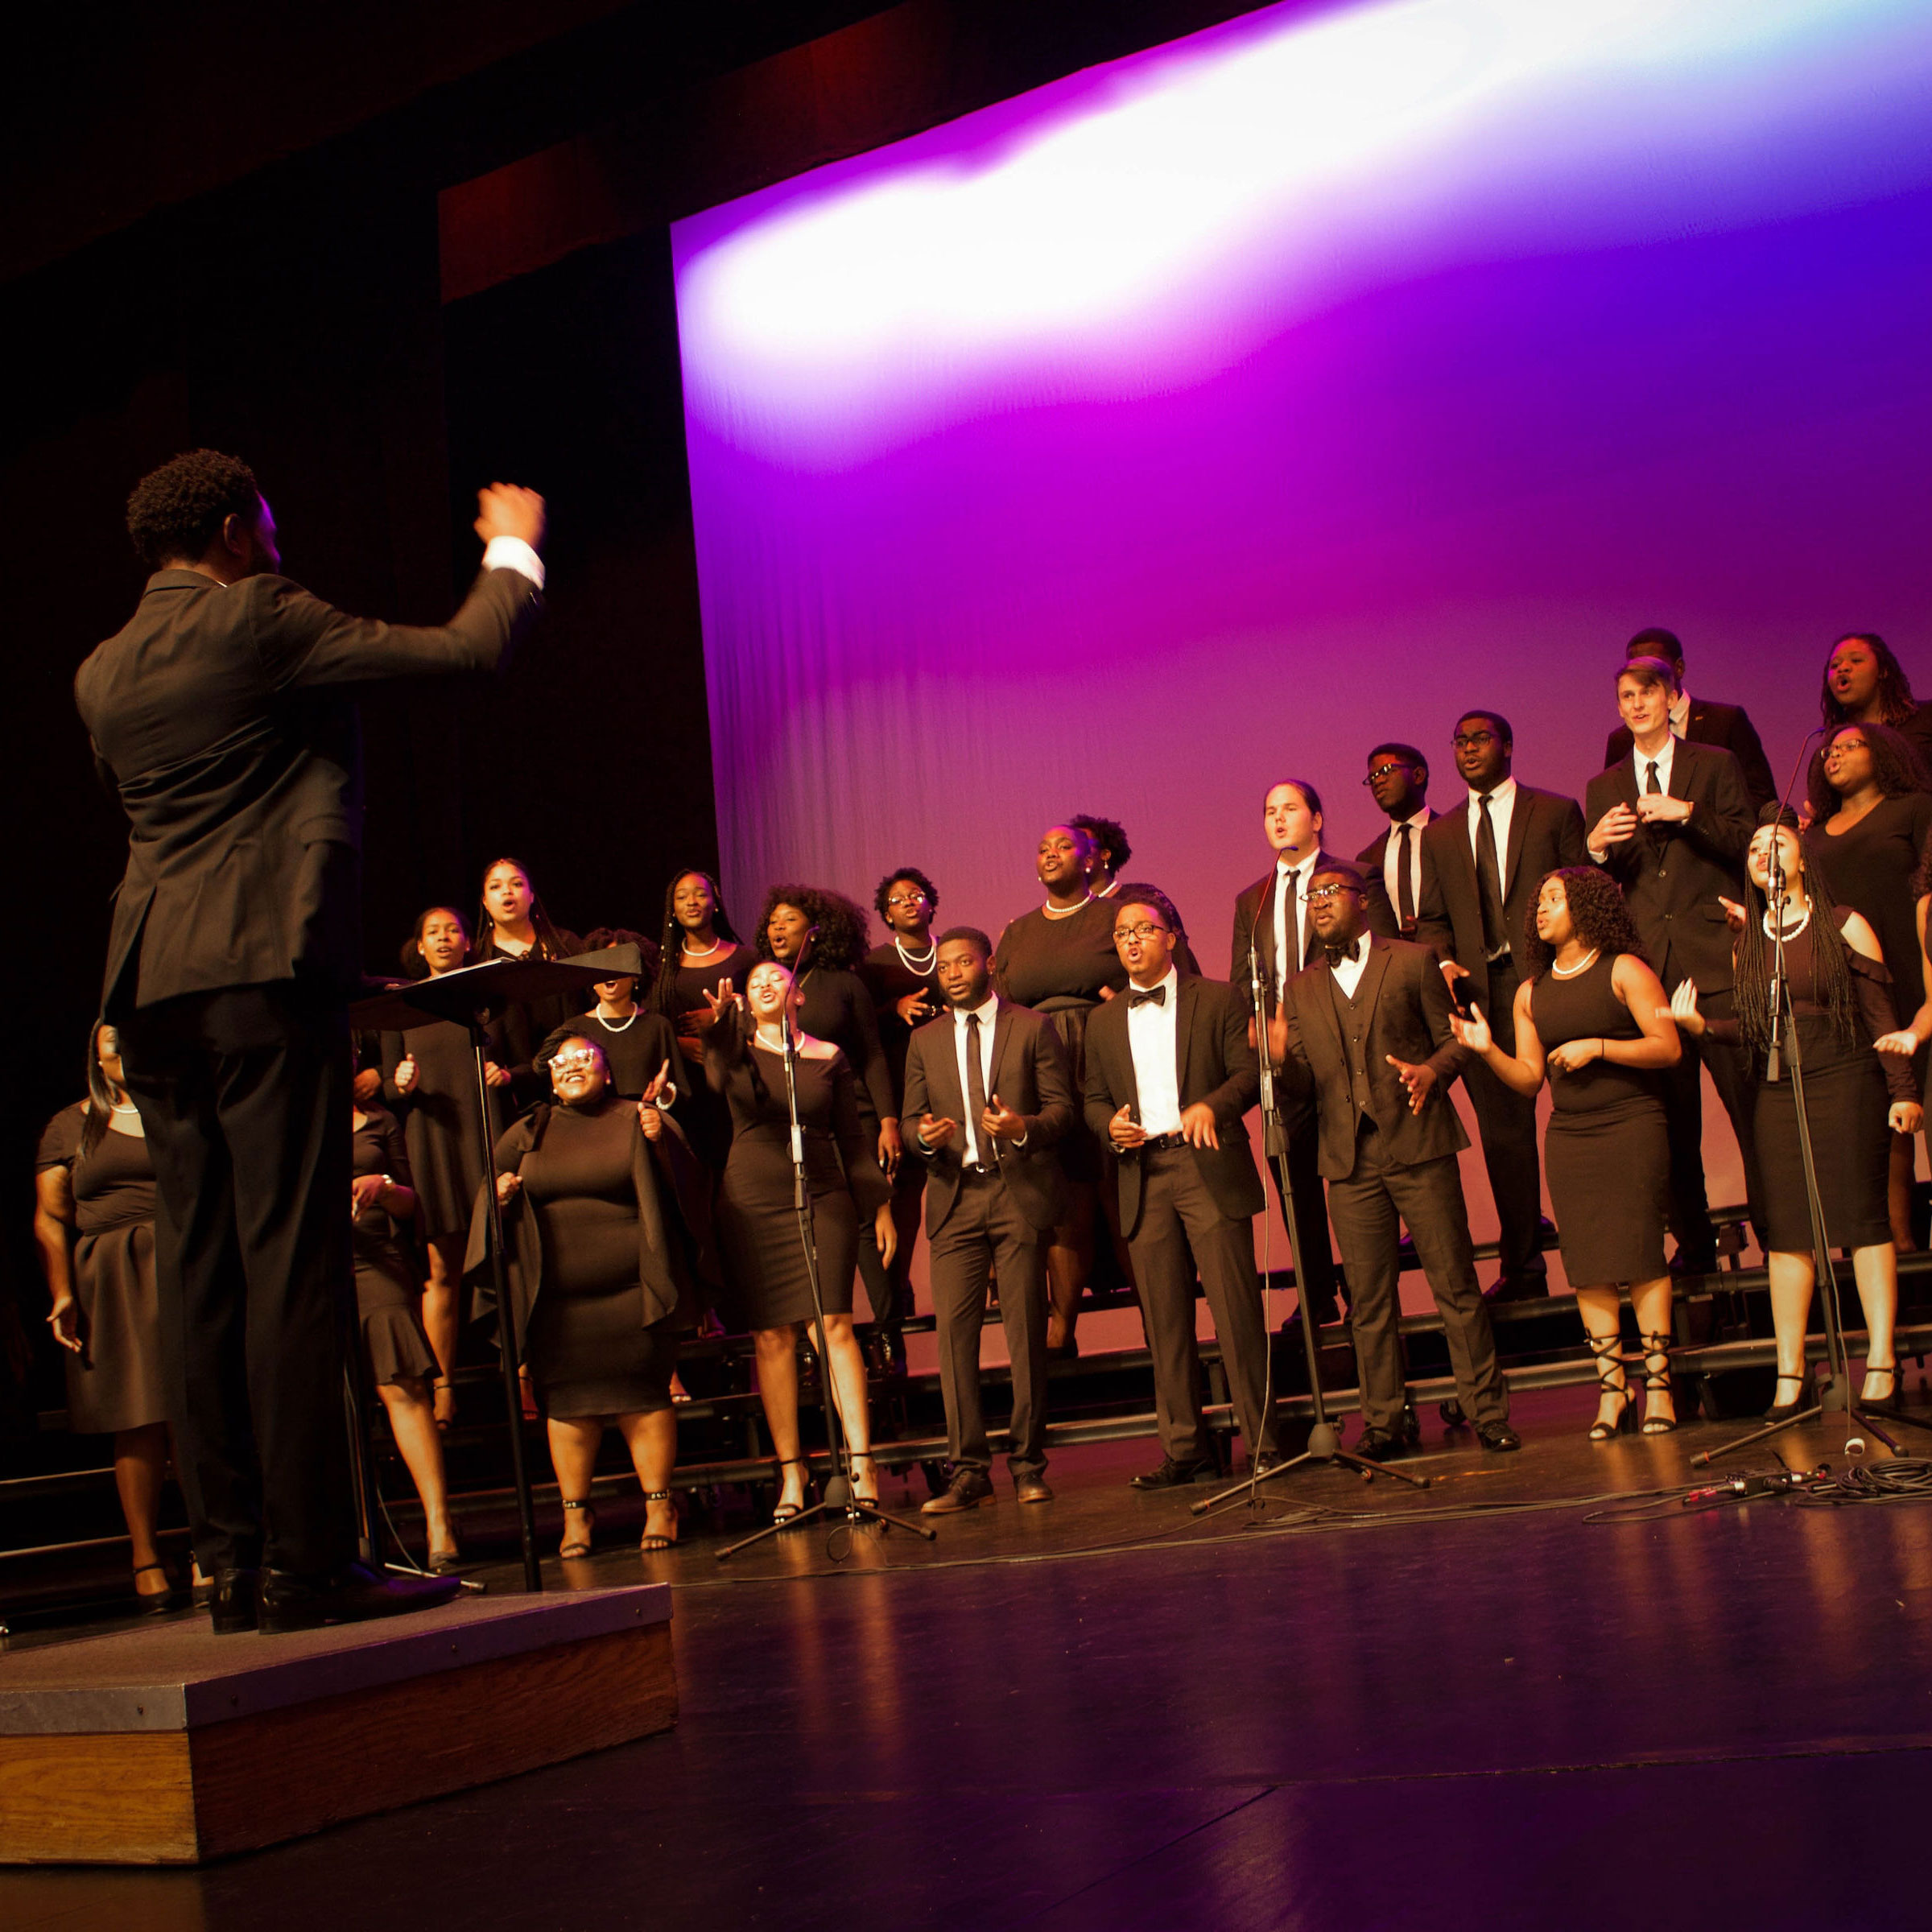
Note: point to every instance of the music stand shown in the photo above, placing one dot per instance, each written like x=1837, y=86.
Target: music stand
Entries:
x=467, y=998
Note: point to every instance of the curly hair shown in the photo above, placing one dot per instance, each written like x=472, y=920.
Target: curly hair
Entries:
x=1598, y=915
x=843, y=932
x=1897, y=768
x=1896, y=702
x=1831, y=956
x=893, y=878
x=176, y=511
x=671, y=954
x=1108, y=838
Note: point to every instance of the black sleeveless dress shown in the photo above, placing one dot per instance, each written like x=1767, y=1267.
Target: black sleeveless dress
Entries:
x=389, y=1304
x=1607, y=1150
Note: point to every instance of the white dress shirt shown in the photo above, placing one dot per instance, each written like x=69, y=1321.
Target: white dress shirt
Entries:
x=1290, y=888
x=1153, y=1041
x=513, y=553
x=1502, y=803
x=1350, y=967
x=1680, y=715
x=985, y=1015
x=1392, y=854
x=1663, y=760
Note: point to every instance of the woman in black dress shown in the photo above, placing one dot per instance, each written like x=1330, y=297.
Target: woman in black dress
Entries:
x=1842, y=1001
x=902, y=977
x=429, y=1082
x=820, y=936
x=1594, y=1019
x=758, y=1229
x=700, y=950
x=1866, y=684
x=1871, y=816
x=396, y=1352
x=602, y=1274
x=511, y=924
x=94, y=1223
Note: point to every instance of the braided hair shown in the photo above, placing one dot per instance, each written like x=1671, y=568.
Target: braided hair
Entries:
x=1830, y=956
x=1896, y=702
x=671, y=958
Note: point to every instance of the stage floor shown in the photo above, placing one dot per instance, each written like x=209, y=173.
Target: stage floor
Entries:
x=1425, y=1711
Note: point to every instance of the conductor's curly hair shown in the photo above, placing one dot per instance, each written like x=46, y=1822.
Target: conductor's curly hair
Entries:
x=176, y=511
x=842, y=928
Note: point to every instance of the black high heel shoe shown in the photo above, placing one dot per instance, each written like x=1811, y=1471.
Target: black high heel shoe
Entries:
x=1889, y=1399
x=1657, y=1381
x=1610, y=1362
x=786, y=1512
x=1783, y=1412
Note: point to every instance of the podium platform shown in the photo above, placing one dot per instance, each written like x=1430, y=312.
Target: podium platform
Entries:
x=170, y=1745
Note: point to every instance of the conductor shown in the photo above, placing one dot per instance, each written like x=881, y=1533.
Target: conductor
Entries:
x=221, y=715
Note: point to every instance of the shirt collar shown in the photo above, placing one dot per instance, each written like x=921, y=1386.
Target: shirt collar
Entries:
x=1506, y=790
x=983, y=1012
x=1662, y=758
x=1680, y=712
x=1283, y=863
x=1172, y=982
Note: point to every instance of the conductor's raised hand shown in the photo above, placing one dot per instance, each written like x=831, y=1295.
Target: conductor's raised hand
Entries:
x=1418, y=1078
x=1124, y=1130
x=1198, y=1127
x=508, y=1186
x=507, y=509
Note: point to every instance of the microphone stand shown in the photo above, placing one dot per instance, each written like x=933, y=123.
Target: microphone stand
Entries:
x=1835, y=1396
x=1324, y=1444
x=839, y=1497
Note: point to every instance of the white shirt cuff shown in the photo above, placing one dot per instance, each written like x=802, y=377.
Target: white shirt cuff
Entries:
x=513, y=553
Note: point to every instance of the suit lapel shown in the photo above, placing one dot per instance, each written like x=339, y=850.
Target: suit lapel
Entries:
x=1369, y=989
x=942, y=1080
x=1002, y=1032
x=1187, y=994
x=1519, y=830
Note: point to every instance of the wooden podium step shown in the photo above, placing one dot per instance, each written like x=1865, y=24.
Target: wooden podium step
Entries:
x=170, y=1745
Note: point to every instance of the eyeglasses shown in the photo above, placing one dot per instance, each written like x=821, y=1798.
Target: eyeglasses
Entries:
x=1839, y=745
x=1317, y=895
x=1471, y=741
x=904, y=898
x=1143, y=932
x=572, y=1062
x=1382, y=771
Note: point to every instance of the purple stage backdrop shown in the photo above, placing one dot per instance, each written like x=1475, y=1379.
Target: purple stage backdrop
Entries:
x=1201, y=419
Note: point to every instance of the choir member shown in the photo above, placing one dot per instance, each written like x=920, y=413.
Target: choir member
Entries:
x=396, y=1355
x=1169, y=1074
x=987, y=1100
x=1271, y=922
x=1839, y=997
x=1107, y=851
x=1398, y=780
x=902, y=977
x=745, y=1059
x=1669, y=823
x=1871, y=816
x=1480, y=868
x=1592, y=1018
x=94, y=1223
x=700, y=947
x=1703, y=720
x=511, y=924
x=1865, y=684
x=429, y=1081
x=1363, y=1031
x=639, y=1047
x=603, y=1274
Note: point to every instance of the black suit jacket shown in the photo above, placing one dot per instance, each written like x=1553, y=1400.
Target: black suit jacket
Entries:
x=1710, y=723
x=1257, y=900
x=222, y=718
x=1673, y=875
x=1546, y=831
x=1384, y=915
x=1030, y=1074
x=1406, y=1002
x=1216, y=1065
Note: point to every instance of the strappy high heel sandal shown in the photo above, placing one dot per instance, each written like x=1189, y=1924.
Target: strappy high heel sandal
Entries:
x=1607, y=1350
x=785, y=1512
x=856, y=1457
x=651, y=1539
x=1657, y=1381
x=580, y=1546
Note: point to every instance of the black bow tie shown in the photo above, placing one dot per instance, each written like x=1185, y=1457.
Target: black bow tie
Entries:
x=1158, y=995
x=1337, y=954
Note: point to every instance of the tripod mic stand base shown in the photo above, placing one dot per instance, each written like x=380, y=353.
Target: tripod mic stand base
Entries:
x=1361, y=1464
x=854, y=1510
x=1859, y=1420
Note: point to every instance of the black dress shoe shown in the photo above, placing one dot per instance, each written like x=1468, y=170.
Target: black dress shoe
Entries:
x=232, y=1601
x=1381, y=1446
x=1498, y=1436
x=351, y=1596
x=1518, y=1288
x=968, y=1489
x=1033, y=1489
x=1176, y=1476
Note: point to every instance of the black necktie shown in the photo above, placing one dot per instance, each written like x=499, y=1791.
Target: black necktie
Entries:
x=1404, y=891
x=1651, y=787
x=976, y=1090
x=1159, y=995
x=1489, y=884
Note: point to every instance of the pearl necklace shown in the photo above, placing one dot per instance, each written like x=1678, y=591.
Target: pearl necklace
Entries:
x=1065, y=912
x=1790, y=932
x=918, y=972
x=1570, y=973
x=611, y=1026
x=709, y=952
x=123, y=1107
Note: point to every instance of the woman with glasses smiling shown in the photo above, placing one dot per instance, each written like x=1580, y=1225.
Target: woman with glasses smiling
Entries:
x=1871, y=817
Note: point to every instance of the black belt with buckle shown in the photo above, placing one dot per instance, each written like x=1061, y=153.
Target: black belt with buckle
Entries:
x=1155, y=1143
x=978, y=1170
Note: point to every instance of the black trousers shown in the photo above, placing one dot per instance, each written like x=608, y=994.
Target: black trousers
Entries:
x=1320, y=1291
x=986, y=1231
x=245, y=1097
x=1729, y=1067
x=1429, y=1197
x=1182, y=1228
x=1506, y=1123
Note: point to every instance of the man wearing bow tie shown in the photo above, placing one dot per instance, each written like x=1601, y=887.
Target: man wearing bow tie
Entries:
x=1170, y=1073
x=1363, y=1031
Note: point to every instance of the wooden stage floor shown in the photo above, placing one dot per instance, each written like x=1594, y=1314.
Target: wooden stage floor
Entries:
x=1431, y=1710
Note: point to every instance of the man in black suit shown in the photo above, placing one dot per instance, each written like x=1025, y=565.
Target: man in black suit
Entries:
x=220, y=713
x=987, y=1100
x=1271, y=920
x=1702, y=721
x=1481, y=867
x=1170, y=1072
x=1365, y=1032
x=1670, y=824
x=1398, y=780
